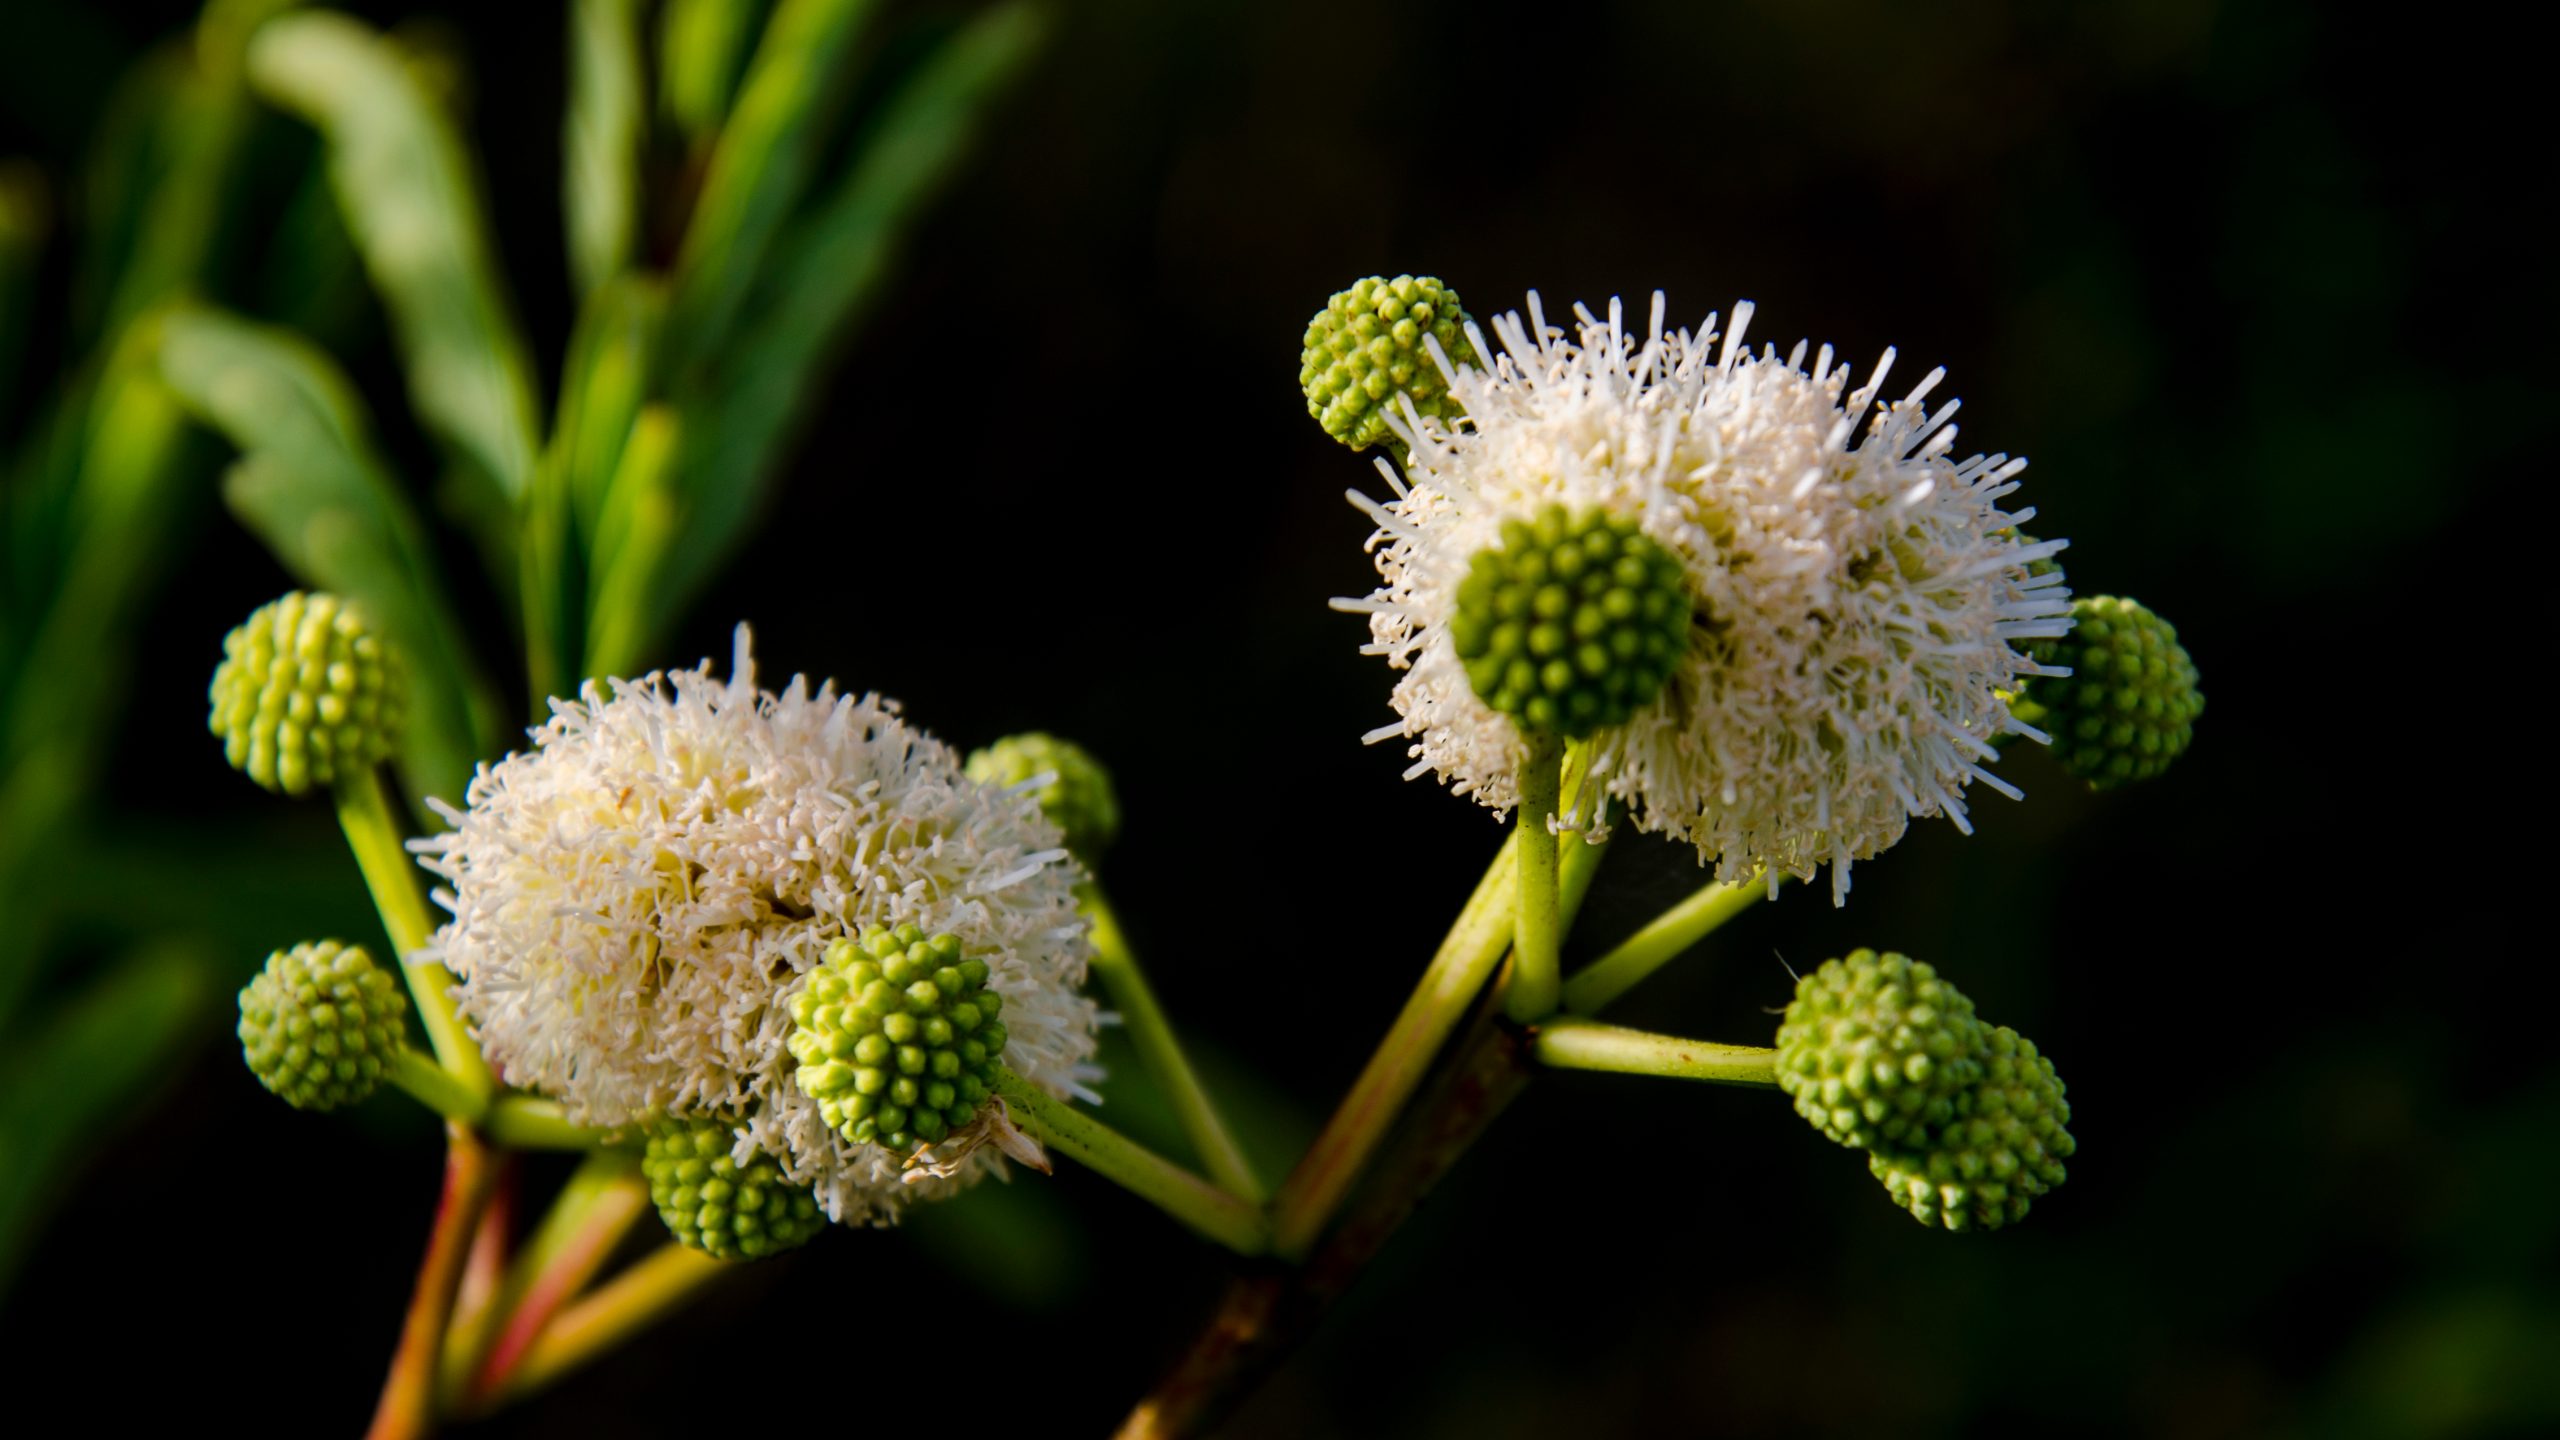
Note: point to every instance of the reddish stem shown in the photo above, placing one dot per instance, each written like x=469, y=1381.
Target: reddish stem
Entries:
x=407, y=1408
x=475, y=1300
x=560, y=1280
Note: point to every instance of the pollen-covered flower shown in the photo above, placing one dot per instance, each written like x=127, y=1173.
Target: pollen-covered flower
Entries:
x=1858, y=601
x=637, y=899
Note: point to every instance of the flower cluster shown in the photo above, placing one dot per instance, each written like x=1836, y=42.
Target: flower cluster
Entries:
x=1859, y=603
x=639, y=898
x=1961, y=1121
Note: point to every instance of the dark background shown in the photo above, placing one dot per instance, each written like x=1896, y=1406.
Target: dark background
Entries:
x=2249, y=283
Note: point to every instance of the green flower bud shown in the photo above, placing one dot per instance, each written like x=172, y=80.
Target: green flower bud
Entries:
x=897, y=1038
x=715, y=1205
x=1573, y=622
x=306, y=692
x=2004, y=1147
x=2130, y=704
x=1365, y=347
x=1876, y=1051
x=1080, y=801
x=321, y=1024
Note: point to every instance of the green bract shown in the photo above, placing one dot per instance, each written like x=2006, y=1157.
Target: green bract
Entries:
x=321, y=1023
x=2004, y=1147
x=1573, y=623
x=1080, y=801
x=306, y=692
x=1364, y=348
x=718, y=1207
x=1876, y=1049
x=897, y=1037
x=2130, y=704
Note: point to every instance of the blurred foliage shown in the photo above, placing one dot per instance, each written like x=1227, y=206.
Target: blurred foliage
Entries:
x=822, y=155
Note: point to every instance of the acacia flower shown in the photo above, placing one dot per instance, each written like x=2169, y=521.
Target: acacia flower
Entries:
x=1859, y=602
x=637, y=899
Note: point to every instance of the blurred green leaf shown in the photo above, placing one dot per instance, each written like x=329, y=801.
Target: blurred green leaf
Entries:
x=122, y=510
x=758, y=170
x=633, y=536
x=413, y=206
x=65, y=1083
x=701, y=44
x=825, y=268
x=602, y=387
x=311, y=486
x=601, y=161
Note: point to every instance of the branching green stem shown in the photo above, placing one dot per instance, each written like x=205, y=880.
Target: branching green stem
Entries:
x=604, y=1198
x=1117, y=966
x=1568, y=1043
x=435, y=1087
x=1537, y=933
x=365, y=815
x=612, y=1314
x=520, y=1122
x=1186, y=1197
x=1658, y=943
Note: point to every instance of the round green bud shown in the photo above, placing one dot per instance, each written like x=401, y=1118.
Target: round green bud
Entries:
x=321, y=1024
x=1876, y=1050
x=2003, y=1148
x=719, y=1207
x=897, y=1037
x=1573, y=622
x=1365, y=347
x=306, y=692
x=2130, y=704
x=1080, y=801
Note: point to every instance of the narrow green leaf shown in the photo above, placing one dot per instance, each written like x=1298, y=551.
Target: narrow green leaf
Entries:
x=413, y=206
x=637, y=530
x=602, y=386
x=311, y=486
x=830, y=263
x=66, y=1084
x=122, y=510
x=600, y=174
x=757, y=172
x=701, y=44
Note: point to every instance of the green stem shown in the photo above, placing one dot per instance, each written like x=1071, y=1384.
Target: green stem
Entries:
x=612, y=1314
x=435, y=1087
x=1536, y=933
x=1186, y=1197
x=1161, y=1051
x=522, y=1123
x=1567, y=1043
x=1658, y=943
x=604, y=1198
x=365, y=815
x=1467, y=957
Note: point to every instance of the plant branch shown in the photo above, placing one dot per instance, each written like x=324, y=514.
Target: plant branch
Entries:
x=612, y=1314
x=1536, y=932
x=1186, y=1197
x=407, y=1407
x=604, y=1198
x=365, y=815
x=1659, y=943
x=1161, y=1051
x=1567, y=1043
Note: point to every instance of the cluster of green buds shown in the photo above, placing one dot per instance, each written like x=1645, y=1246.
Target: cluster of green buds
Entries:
x=715, y=1205
x=1573, y=622
x=897, y=1037
x=2130, y=704
x=322, y=1025
x=1365, y=348
x=306, y=693
x=1962, y=1122
x=1078, y=799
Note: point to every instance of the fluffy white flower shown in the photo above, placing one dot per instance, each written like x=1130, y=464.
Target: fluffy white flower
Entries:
x=637, y=897
x=1860, y=598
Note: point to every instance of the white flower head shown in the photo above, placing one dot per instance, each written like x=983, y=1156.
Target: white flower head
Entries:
x=1859, y=598
x=636, y=898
